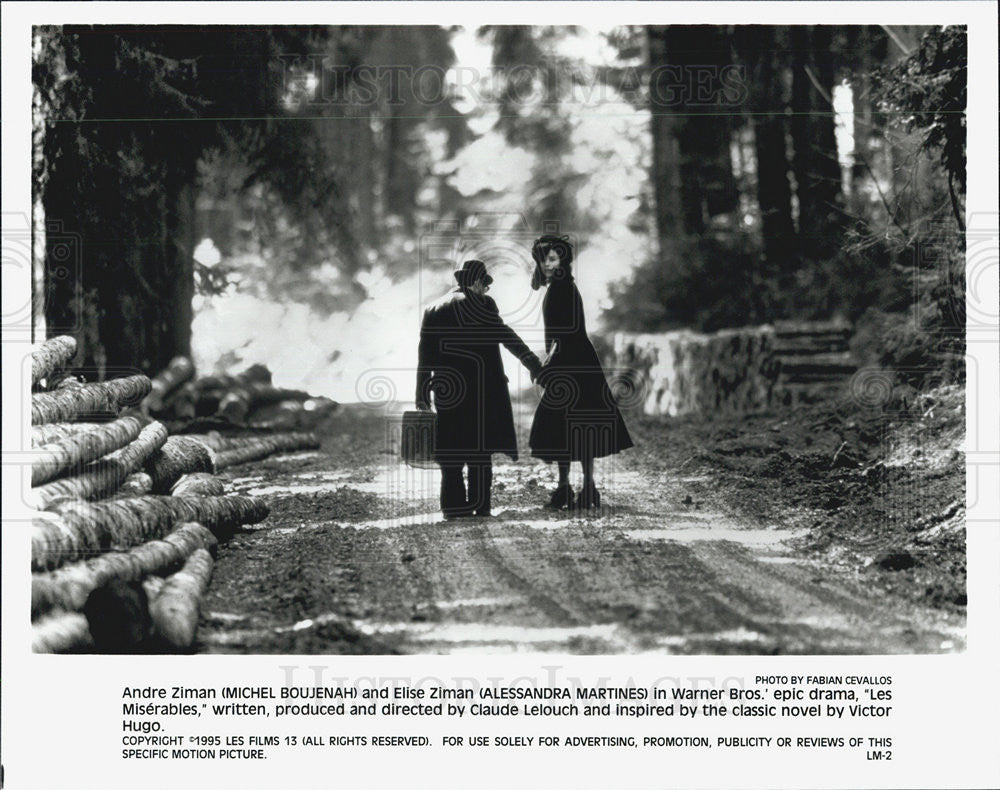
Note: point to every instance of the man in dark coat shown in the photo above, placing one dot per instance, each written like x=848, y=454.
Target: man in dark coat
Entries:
x=459, y=361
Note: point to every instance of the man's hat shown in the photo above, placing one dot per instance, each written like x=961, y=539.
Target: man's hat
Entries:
x=472, y=271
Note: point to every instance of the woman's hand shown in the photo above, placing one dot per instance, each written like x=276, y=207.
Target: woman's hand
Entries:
x=534, y=365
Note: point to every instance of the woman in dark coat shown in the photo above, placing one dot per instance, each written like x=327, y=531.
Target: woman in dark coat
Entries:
x=577, y=418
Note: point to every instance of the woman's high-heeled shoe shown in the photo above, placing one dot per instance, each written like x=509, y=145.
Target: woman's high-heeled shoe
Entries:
x=561, y=497
x=589, y=497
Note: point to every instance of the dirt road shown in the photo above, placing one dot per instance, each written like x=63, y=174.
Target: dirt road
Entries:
x=356, y=559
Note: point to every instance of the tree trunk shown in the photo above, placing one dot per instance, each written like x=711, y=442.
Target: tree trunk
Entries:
x=119, y=205
x=692, y=166
x=666, y=150
x=861, y=100
x=708, y=187
x=774, y=197
x=132, y=309
x=815, y=162
x=65, y=240
x=182, y=239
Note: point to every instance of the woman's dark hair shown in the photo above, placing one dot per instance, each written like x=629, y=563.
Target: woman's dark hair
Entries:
x=541, y=248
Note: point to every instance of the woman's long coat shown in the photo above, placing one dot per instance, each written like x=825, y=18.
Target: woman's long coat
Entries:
x=459, y=361
x=577, y=416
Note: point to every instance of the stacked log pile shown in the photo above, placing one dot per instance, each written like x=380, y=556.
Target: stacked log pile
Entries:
x=737, y=370
x=683, y=372
x=127, y=517
x=101, y=477
x=88, y=401
x=248, y=399
x=178, y=371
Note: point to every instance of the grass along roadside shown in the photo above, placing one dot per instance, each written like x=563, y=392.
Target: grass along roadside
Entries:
x=878, y=490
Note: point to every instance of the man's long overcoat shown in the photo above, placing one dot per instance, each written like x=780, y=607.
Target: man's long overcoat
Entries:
x=459, y=361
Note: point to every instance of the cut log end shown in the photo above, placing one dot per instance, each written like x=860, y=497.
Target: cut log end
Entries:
x=174, y=611
x=118, y=617
x=180, y=455
x=198, y=484
x=60, y=633
x=51, y=357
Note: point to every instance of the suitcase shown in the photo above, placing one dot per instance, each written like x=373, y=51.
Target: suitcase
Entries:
x=416, y=445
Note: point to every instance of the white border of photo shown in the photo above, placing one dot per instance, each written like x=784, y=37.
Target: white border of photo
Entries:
x=62, y=715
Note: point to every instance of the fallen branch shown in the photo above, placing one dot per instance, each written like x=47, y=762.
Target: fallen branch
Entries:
x=182, y=403
x=320, y=405
x=836, y=455
x=255, y=374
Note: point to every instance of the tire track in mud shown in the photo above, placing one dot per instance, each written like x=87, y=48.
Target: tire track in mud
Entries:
x=355, y=558
x=515, y=570
x=824, y=612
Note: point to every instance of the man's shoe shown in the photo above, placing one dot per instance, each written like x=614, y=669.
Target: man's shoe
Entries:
x=589, y=497
x=561, y=497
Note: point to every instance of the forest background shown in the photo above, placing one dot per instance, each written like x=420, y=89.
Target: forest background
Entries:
x=237, y=193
